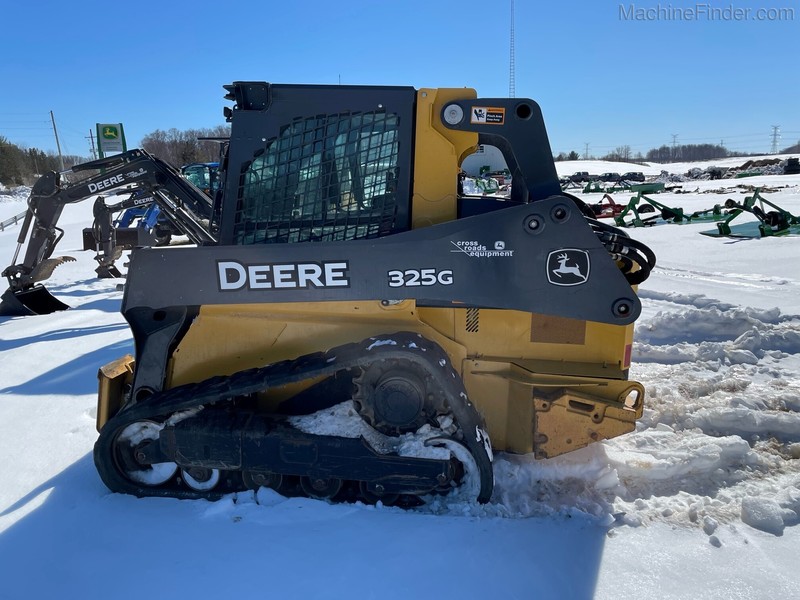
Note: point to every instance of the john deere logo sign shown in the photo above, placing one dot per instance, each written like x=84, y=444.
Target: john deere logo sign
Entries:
x=110, y=138
x=110, y=132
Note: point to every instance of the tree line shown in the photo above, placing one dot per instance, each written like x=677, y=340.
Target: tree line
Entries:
x=791, y=149
x=184, y=147
x=23, y=166
x=674, y=153
x=687, y=153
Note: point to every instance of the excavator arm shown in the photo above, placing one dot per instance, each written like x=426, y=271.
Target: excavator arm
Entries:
x=108, y=240
x=135, y=172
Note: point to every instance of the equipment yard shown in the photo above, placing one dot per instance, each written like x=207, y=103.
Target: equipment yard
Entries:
x=366, y=306
x=702, y=499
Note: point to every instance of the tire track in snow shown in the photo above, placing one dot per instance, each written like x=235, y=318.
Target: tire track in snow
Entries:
x=751, y=280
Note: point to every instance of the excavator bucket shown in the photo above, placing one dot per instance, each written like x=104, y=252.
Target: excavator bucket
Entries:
x=34, y=301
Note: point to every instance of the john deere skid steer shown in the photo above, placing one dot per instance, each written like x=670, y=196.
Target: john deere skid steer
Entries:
x=349, y=300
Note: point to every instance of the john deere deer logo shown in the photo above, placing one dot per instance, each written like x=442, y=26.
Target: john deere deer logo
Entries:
x=568, y=266
x=110, y=133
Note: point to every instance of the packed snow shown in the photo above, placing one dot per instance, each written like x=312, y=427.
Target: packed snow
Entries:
x=702, y=500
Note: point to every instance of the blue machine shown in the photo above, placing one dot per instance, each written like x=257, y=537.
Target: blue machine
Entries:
x=147, y=214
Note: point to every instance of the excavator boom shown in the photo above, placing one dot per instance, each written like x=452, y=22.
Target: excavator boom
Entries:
x=130, y=172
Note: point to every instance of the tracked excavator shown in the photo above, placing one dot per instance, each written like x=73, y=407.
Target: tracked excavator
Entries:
x=350, y=327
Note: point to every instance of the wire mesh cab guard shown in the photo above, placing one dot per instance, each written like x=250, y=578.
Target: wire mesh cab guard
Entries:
x=339, y=171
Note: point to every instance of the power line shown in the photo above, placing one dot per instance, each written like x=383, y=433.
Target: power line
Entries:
x=512, y=84
x=17, y=122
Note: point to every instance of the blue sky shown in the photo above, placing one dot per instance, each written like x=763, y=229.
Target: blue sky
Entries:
x=600, y=78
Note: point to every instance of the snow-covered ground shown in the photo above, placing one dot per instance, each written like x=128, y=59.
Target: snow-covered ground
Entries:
x=701, y=501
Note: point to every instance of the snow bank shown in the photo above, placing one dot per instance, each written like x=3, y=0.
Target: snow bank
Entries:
x=14, y=194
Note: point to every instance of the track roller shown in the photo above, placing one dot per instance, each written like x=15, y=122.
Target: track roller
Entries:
x=320, y=488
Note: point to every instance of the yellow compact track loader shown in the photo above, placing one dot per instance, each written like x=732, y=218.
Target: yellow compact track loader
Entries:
x=351, y=326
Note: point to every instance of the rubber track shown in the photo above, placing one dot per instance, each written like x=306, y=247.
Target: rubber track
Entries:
x=404, y=345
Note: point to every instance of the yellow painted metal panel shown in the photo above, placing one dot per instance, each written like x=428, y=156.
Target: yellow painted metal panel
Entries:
x=438, y=153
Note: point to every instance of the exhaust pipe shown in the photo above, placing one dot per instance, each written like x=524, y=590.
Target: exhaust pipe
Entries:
x=32, y=301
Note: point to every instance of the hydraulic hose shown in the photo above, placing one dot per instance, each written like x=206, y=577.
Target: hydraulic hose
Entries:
x=622, y=248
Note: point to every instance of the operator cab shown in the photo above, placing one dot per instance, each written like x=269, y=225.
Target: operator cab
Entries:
x=204, y=176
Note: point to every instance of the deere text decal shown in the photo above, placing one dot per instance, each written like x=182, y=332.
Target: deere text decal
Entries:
x=233, y=275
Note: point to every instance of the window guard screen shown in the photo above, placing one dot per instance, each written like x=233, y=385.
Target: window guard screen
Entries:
x=324, y=178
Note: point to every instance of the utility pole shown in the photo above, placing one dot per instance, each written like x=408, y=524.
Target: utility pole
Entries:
x=512, y=84
x=58, y=145
x=91, y=137
x=776, y=135
x=586, y=151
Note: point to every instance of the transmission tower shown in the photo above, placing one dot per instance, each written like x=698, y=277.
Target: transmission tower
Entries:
x=512, y=67
x=776, y=135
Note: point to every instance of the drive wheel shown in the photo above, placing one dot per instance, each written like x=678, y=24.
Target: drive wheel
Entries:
x=130, y=454
x=396, y=397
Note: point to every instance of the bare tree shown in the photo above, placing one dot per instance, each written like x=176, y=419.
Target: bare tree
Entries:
x=183, y=147
x=688, y=152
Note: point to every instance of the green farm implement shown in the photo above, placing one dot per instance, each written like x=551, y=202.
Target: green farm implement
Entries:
x=777, y=221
